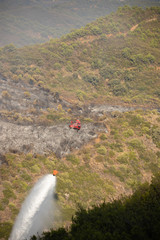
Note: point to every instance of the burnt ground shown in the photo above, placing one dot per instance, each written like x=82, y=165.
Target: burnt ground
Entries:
x=58, y=138
x=43, y=140
x=20, y=97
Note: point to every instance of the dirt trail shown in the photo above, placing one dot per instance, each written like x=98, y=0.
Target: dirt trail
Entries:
x=149, y=20
x=134, y=27
x=88, y=39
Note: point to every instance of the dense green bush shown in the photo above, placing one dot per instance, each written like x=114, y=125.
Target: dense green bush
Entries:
x=128, y=76
x=102, y=150
x=108, y=72
x=5, y=229
x=81, y=95
x=95, y=30
x=128, y=133
x=136, y=144
x=119, y=90
x=94, y=80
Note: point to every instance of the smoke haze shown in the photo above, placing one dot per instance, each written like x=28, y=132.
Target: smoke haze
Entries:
x=25, y=22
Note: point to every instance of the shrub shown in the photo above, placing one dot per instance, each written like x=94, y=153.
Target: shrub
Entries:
x=1, y=207
x=8, y=192
x=5, y=229
x=57, y=66
x=148, y=156
x=111, y=153
x=96, y=63
x=123, y=158
x=158, y=154
x=128, y=133
x=102, y=150
x=126, y=52
x=81, y=95
x=128, y=77
x=108, y=72
x=87, y=120
x=26, y=177
x=20, y=186
x=94, y=80
x=109, y=188
x=116, y=146
x=95, y=30
x=35, y=169
x=119, y=90
x=13, y=209
x=29, y=156
x=156, y=136
x=4, y=202
x=72, y=158
x=53, y=117
x=135, y=120
x=66, y=50
x=150, y=58
x=60, y=108
x=136, y=143
x=145, y=130
x=75, y=75
x=69, y=66
x=103, y=136
x=117, y=173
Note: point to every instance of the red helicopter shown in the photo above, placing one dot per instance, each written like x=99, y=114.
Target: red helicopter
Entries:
x=75, y=125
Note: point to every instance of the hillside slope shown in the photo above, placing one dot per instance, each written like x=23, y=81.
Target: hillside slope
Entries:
x=29, y=22
x=128, y=218
x=107, y=75
x=115, y=58
x=110, y=165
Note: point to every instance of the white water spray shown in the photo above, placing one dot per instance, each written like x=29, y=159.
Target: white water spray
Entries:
x=37, y=212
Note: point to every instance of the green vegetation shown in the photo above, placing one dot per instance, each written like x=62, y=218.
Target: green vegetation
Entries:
x=24, y=23
x=102, y=150
x=131, y=217
x=72, y=159
x=109, y=59
x=125, y=157
x=5, y=229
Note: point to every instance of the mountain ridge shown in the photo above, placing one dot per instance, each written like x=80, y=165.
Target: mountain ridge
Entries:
x=31, y=22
